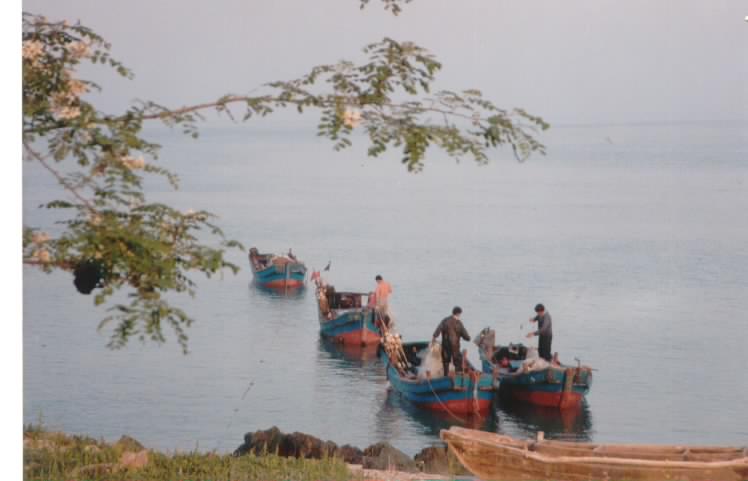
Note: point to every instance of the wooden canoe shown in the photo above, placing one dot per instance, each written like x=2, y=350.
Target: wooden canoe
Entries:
x=495, y=457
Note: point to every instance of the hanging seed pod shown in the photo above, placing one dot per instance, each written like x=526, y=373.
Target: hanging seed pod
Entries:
x=89, y=275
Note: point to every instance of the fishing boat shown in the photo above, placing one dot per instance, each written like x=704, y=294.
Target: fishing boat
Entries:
x=469, y=392
x=276, y=271
x=350, y=355
x=346, y=317
x=495, y=457
x=520, y=375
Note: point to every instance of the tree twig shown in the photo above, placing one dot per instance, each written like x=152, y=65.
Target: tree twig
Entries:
x=60, y=178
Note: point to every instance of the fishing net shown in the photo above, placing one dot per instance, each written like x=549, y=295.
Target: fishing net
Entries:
x=535, y=363
x=431, y=362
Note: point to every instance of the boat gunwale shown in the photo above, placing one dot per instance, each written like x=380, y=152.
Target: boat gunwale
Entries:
x=339, y=313
x=515, y=451
x=430, y=379
x=505, y=372
x=268, y=257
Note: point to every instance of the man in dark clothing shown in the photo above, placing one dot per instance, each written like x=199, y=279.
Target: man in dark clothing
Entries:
x=544, y=332
x=452, y=330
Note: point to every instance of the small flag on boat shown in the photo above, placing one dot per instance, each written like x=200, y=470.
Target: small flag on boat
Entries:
x=327, y=267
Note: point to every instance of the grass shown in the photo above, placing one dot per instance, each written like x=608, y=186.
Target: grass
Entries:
x=50, y=456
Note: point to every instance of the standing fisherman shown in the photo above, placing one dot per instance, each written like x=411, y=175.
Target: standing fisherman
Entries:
x=452, y=330
x=544, y=332
x=381, y=296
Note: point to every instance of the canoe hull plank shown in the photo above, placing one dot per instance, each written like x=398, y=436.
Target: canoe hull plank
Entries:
x=495, y=457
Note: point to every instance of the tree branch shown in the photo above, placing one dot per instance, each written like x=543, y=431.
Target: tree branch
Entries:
x=60, y=178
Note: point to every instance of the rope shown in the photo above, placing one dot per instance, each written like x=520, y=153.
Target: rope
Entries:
x=474, y=376
x=219, y=444
x=428, y=379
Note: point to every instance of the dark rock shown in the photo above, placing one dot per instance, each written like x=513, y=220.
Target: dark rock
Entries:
x=260, y=442
x=437, y=460
x=126, y=443
x=297, y=445
x=383, y=456
x=300, y=445
x=350, y=454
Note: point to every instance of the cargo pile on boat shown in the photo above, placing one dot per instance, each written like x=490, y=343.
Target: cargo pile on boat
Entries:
x=392, y=344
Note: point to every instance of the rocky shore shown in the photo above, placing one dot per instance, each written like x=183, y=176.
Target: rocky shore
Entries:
x=264, y=455
x=379, y=456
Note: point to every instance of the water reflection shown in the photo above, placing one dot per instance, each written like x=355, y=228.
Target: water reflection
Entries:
x=351, y=355
x=523, y=420
x=431, y=422
x=396, y=418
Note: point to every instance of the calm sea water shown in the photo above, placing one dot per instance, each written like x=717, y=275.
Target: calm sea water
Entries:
x=634, y=237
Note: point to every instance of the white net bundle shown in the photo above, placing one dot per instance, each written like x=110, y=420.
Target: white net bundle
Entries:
x=533, y=362
x=431, y=362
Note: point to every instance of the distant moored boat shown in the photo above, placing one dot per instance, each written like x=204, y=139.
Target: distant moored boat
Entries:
x=276, y=271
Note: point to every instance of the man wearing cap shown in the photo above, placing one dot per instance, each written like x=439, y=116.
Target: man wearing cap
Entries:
x=544, y=332
x=452, y=330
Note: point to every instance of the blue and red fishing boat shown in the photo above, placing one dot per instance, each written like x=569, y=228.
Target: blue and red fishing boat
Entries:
x=520, y=375
x=469, y=392
x=346, y=317
x=277, y=271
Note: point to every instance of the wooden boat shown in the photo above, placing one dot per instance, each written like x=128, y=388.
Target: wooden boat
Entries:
x=495, y=457
x=560, y=386
x=351, y=354
x=456, y=394
x=276, y=271
x=346, y=317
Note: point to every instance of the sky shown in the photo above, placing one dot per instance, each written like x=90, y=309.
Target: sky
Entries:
x=572, y=62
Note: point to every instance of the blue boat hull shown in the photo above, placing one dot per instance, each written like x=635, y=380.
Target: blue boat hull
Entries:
x=466, y=393
x=288, y=276
x=355, y=327
x=560, y=387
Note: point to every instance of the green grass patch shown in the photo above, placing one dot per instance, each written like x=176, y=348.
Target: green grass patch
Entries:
x=52, y=456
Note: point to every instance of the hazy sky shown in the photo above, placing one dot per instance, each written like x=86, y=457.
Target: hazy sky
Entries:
x=586, y=61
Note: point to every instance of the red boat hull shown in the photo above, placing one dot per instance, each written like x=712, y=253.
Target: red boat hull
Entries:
x=462, y=406
x=283, y=284
x=561, y=400
x=361, y=337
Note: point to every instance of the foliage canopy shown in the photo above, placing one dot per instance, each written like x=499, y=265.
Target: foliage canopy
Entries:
x=112, y=238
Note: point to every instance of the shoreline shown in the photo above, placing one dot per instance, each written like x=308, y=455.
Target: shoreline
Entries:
x=264, y=456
